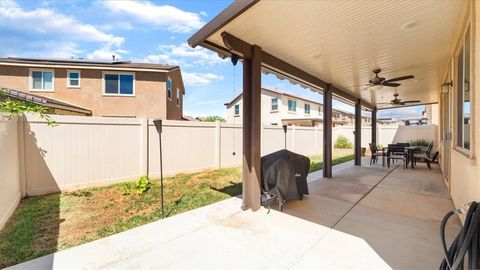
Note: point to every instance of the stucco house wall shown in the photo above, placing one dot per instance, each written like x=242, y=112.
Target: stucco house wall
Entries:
x=150, y=99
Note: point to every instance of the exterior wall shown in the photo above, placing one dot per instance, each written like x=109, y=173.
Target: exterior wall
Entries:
x=10, y=183
x=465, y=169
x=149, y=100
x=270, y=117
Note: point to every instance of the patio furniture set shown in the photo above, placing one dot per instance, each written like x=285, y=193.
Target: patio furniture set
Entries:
x=404, y=152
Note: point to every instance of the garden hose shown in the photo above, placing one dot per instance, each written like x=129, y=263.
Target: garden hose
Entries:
x=466, y=242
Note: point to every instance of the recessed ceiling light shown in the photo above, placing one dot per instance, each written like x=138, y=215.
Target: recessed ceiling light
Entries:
x=410, y=25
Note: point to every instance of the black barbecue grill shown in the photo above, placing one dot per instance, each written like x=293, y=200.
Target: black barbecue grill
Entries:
x=284, y=177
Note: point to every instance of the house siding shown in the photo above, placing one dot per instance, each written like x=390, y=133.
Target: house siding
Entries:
x=149, y=100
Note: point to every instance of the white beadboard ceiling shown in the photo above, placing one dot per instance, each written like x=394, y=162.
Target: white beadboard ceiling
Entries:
x=341, y=41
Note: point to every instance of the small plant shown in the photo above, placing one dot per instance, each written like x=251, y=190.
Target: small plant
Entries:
x=343, y=142
x=15, y=108
x=419, y=142
x=125, y=189
x=142, y=185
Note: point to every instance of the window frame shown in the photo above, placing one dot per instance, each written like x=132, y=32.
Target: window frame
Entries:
x=30, y=80
x=288, y=106
x=178, y=98
x=118, y=94
x=271, y=104
x=305, y=108
x=459, y=104
x=235, y=107
x=169, y=91
x=79, y=79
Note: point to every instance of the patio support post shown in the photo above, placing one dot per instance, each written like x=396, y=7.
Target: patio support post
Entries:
x=358, y=133
x=327, y=132
x=251, y=128
x=374, y=126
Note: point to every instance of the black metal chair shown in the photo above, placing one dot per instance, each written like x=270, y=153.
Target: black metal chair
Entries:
x=426, y=157
x=375, y=154
x=396, y=152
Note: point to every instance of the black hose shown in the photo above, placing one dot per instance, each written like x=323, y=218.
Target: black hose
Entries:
x=466, y=242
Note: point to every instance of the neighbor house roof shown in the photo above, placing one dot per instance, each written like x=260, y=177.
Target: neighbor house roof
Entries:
x=87, y=64
x=44, y=101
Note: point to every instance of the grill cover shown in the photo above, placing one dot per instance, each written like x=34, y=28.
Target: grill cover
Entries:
x=284, y=174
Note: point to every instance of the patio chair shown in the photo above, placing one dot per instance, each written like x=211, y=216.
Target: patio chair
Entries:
x=396, y=152
x=425, y=157
x=375, y=154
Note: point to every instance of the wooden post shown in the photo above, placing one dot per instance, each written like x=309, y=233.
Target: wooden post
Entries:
x=327, y=132
x=252, y=129
x=374, y=126
x=358, y=133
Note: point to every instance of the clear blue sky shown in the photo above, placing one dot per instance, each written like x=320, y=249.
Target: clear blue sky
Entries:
x=150, y=31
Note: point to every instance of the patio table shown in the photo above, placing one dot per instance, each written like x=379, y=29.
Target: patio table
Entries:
x=411, y=150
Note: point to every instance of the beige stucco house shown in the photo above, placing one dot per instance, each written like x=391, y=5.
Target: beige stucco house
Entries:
x=116, y=88
x=281, y=108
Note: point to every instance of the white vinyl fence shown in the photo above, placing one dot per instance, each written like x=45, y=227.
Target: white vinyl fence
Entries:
x=83, y=151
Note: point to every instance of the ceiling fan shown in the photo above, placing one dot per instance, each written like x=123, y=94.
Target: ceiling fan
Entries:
x=397, y=101
x=377, y=80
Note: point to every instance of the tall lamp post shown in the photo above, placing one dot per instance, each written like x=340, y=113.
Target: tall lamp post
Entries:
x=285, y=135
x=158, y=126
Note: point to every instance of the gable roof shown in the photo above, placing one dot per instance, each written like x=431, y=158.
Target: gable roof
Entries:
x=86, y=64
x=43, y=101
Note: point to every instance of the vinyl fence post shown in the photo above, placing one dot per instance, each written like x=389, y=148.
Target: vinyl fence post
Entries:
x=218, y=145
x=144, y=143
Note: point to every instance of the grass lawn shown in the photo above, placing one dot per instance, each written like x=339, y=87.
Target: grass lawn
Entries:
x=339, y=156
x=44, y=224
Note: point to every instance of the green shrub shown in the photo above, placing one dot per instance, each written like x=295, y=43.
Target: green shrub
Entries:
x=343, y=142
x=419, y=142
x=142, y=185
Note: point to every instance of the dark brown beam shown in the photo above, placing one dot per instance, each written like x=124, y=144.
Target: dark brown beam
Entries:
x=251, y=129
x=358, y=133
x=279, y=66
x=327, y=132
x=226, y=16
x=374, y=126
x=405, y=106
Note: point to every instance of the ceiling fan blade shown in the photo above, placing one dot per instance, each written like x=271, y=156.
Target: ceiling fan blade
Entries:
x=391, y=84
x=384, y=103
x=399, y=79
x=411, y=101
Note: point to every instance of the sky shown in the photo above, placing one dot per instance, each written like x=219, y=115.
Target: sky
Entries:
x=148, y=31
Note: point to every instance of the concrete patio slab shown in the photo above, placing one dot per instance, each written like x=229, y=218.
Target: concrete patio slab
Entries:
x=346, y=222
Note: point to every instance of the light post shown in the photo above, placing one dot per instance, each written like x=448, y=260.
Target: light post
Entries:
x=158, y=126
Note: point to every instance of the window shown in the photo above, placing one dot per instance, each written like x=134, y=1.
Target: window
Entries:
x=292, y=105
x=169, y=88
x=307, y=108
x=237, y=109
x=73, y=79
x=119, y=84
x=41, y=80
x=178, y=97
x=274, y=104
x=463, y=93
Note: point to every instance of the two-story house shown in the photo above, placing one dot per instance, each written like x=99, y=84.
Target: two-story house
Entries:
x=116, y=88
x=281, y=108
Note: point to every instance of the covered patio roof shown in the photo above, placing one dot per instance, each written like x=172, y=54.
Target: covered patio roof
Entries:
x=341, y=42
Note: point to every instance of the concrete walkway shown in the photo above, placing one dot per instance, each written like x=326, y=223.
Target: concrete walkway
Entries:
x=363, y=218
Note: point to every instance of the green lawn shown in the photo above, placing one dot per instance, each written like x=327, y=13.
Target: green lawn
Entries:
x=316, y=162
x=45, y=224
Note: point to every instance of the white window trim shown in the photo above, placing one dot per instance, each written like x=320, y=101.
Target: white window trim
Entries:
x=171, y=88
x=177, y=100
x=288, y=106
x=462, y=149
x=271, y=104
x=309, y=108
x=79, y=78
x=235, y=114
x=30, y=80
x=117, y=73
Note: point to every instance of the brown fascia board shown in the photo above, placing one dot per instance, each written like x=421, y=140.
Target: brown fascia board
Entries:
x=227, y=15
